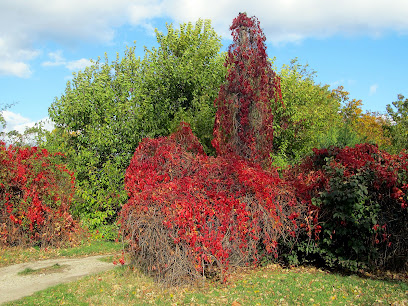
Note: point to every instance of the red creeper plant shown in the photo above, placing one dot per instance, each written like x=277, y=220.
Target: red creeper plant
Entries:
x=244, y=120
x=190, y=215
x=35, y=196
x=353, y=190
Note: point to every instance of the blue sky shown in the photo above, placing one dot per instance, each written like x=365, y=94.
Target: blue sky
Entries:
x=360, y=44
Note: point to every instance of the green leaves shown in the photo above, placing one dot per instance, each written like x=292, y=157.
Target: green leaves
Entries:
x=308, y=113
x=356, y=194
x=181, y=79
x=399, y=128
x=108, y=108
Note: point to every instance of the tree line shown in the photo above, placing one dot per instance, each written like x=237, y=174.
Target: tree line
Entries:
x=111, y=106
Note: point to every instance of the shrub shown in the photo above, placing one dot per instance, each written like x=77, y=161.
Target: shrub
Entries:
x=190, y=215
x=35, y=195
x=358, y=198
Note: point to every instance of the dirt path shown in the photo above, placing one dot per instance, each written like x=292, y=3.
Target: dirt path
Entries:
x=54, y=271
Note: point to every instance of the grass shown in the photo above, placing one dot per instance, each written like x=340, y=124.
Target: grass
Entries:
x=46, y=270
x=13, y=255
x=271, y=285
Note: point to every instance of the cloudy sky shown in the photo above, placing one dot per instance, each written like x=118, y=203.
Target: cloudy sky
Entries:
x=360, y=44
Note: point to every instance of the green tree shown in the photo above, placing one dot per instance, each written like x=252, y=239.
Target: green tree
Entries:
x=97, y=125
x=181, y=79
x=307, y=114
x=345, y=134
x=2, y=120
x=109, y=108
x=398, y=130
x=356, y=126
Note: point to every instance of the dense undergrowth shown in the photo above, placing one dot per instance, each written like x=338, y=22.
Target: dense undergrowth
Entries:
x=191, y=216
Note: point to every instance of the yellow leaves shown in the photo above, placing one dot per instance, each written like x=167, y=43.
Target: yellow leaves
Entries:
x=372, y=126
x=369, y=126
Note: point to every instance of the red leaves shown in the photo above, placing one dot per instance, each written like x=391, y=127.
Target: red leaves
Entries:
x=190, y=215
x=244, y=121
x=386, y=168
x=374, y=199
x=35, y=195
x=219, y=210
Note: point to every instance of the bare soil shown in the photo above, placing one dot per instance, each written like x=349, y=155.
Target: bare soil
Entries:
x=14, y=286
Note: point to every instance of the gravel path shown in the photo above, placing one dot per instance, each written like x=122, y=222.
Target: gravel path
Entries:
x=14, y=286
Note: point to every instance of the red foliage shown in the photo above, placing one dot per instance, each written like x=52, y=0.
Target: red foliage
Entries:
x=310, y=177
x=190, y=214
x=377, y=178
x=244, y=120
x=35, y=195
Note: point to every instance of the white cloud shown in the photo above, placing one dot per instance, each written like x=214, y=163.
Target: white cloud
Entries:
x=57, y=59
x=13, y=58
x=19, y=123
x=27, y=24
x=373, y=89
x=16, y=122
x=294, y=20
x=143, y=10
x=80, y=64
x=15, y=68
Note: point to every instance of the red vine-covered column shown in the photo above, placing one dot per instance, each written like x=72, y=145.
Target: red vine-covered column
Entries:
x=244, y=121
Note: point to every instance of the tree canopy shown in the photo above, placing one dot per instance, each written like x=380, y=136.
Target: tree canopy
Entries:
x=398, y=129
x=108, y=108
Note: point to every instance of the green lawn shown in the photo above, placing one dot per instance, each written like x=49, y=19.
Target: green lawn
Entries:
x=271, y=285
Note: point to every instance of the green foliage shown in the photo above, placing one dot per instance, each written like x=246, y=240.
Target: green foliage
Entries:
x=2, y=120
x=181, y=79
x=98, y=124
x=339, y=136
x=345, y=133
x=355, y=126
x=399, y=129
x=309, y=111
x=350, y=211
x=109, y=108
x=357, y=196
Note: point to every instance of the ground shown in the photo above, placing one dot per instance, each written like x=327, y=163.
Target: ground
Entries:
x=46, y=273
